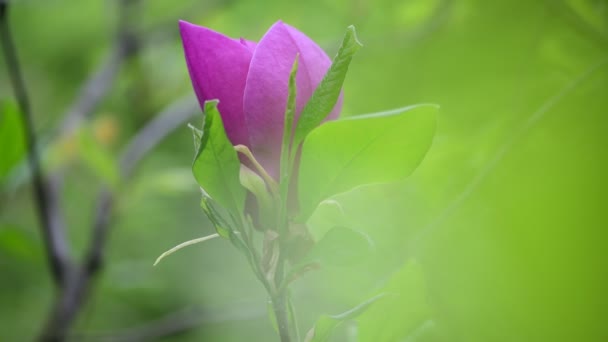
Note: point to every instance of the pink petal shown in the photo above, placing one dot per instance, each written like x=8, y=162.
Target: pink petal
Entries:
x=266, y=88
x=249, y=44
x=218, y=67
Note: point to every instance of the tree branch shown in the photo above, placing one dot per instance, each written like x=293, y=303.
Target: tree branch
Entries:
x=50, y=220
x=75, y=294
x=99, y=83
x=74, y=279
x=139, y=146
x=150, y=135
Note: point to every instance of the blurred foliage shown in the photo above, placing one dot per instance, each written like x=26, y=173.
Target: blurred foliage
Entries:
x=11, y=138
x=499, y=235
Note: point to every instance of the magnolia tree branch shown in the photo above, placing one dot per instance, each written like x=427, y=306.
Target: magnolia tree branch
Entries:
x=74, y=278
x=100, y=82
x=140, y=145
x=74, y=296
x=95, y=88
x=51, y=223
x=150, y=135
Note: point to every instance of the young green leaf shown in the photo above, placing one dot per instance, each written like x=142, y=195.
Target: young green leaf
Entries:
x=326, y=95
x=225, y=224
x=213, y=212
x=376, y=148
x=216, y=166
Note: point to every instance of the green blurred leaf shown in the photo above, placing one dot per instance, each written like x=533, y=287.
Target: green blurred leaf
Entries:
x=327, y=93
x=95, y=156
x=405, y=312
x=216, y=167
x=340, y=246
x=12, y=142
x=376, y=148
x=591, y=12
x=326, y=324
x=328, y=214
x=18, y=243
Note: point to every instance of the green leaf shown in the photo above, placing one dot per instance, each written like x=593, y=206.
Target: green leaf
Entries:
x=226, y=225
x=326, y=324
x=216, y=166
x=329, y=214
x=11, y=138
x=376, y=148
x=326, y=95
x=18, y=243
x=340, y=246
x=404, y=313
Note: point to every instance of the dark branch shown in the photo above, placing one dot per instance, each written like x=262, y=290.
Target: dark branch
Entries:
x=143, y=142
x=50, y=221
x=76, y=279
x=99, y=83
x=74, y=296
x=150, y=135
x=93, y=90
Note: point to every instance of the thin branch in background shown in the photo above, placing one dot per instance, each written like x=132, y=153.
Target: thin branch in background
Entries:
x=177, y=323
x=139, y=146
x=96, y=87
x=93, y=91
x=50, y=221
x=154, y=131
x=75, y=279
x=74, y=296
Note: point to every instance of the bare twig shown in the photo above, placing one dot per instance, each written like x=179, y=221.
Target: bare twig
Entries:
x=147, y=138
x=165, y=122
x=74, y=279
x=50, y=221
x=99, y=83
x=94, y=89
x=74, y=295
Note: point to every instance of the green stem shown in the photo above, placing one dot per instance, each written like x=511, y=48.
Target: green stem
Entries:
x=279, y=305
x=294, y=318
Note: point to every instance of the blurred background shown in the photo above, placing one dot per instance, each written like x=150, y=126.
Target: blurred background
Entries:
x=499, y=235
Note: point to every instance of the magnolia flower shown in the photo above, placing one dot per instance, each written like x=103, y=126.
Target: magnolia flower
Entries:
x=251, y=82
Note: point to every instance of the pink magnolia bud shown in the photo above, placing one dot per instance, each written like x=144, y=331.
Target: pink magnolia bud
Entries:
x=251, y=82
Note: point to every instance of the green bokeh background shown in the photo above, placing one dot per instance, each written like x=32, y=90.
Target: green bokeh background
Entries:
x=499, y=235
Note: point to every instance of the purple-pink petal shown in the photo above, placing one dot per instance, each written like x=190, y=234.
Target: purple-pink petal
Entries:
x=218, y=67
x=266, y=87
